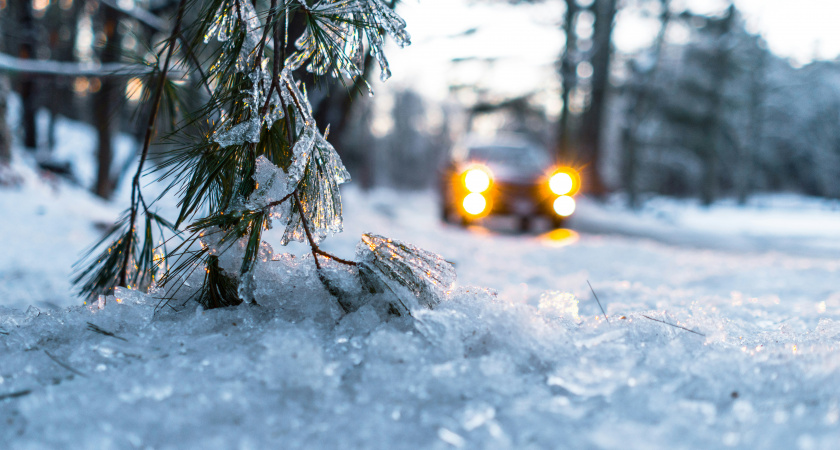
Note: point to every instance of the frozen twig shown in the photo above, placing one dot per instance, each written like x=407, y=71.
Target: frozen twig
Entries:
x=674, y=325
x=138, y=14
x=315, y=249
x=599, y=301
x=67, y=69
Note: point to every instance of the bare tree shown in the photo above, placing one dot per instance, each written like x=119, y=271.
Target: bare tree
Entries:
x=568, y=64
x=641, y=92
x=105, y=106
x=591, y=135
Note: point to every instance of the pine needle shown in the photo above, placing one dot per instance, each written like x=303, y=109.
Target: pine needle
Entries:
x=674, y=325
x=15, y=394
x=96, y=329
x=64, y=365
x=599, y=301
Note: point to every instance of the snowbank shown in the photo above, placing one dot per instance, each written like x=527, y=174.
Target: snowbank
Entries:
x=476, y=372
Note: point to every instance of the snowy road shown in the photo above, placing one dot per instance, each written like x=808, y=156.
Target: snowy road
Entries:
x=523, y=365
x=625, y=270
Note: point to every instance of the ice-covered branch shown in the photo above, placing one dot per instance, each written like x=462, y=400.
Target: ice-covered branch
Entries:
x=138, y=14
x=12, y=64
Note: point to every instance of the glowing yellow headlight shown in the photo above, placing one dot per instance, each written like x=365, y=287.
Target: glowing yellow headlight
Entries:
x=475, y=203
x=561, y=183
x=477, y=180
x=564, y=205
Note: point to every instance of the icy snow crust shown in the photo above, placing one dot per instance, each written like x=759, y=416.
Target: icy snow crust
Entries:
x=477, y=371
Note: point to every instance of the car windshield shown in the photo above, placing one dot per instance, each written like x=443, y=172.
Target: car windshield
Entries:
x=526, y=158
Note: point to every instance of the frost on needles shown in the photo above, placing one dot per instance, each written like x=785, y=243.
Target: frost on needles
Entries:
x=251, y=157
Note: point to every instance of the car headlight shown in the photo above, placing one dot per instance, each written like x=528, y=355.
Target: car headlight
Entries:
x=564, y=205
x=477, y=180
x=561, y=183
x=475, y=203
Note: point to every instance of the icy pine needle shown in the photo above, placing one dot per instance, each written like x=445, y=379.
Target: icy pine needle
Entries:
x=96, y=329
x=599, y=301
x=57, y=361
x=674, y=325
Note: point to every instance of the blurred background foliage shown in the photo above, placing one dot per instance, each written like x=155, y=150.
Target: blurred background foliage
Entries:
x=704, y=110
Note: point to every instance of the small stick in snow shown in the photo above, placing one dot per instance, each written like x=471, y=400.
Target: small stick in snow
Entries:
x=4, y=332
x=57, y=361
x=96, y=329
x=673, y=325
x=599, y=301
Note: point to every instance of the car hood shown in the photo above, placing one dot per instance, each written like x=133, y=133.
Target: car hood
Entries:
x=516, y=175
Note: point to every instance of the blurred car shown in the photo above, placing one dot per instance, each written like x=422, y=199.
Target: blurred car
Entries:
x=506, y=176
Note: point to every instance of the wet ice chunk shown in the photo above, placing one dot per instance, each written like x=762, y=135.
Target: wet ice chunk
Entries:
x=417, y=277
x=271, y=184
x=255, y=99
x=320, y=198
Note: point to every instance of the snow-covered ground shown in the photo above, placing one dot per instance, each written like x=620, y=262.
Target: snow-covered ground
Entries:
x=518, y=355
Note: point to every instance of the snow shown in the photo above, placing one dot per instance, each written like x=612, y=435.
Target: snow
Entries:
x=516, y=355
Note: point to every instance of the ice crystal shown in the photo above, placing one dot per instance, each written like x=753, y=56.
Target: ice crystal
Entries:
x=336, y=46
x=223, y=24
x=320, y=198
x=417, y=277
x=253, y=36
x=223, y=28
x=272, y=184
x=255, y=98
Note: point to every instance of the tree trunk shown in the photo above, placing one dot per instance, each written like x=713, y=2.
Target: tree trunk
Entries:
x=640, y=104
x=28, y=89
x=743, y=179
x=714, y=123
x=568, y=78
x=5, y=133
x=105, y=112
x=593, y=119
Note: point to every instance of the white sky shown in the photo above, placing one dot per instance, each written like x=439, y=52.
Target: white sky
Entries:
x=525, y=40
x=801, y=29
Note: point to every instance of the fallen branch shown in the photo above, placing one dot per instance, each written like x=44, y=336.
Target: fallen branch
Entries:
x=138, y=14
x=12, y=64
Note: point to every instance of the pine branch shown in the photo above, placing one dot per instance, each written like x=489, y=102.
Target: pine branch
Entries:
x=147, y=140
x=139, y=14
x=312, y=245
